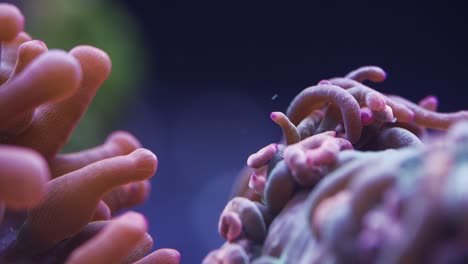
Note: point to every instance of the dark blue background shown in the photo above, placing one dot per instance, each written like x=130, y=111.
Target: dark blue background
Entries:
x=217, y=66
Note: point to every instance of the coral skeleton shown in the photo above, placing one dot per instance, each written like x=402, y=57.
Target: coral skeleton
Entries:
x=61, y=208
x=359, y=177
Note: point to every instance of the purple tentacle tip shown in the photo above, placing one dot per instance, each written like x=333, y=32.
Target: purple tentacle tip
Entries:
x=367, y=116
x=273, y=115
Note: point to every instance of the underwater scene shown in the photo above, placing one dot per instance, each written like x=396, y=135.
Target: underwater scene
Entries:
x=189, y=132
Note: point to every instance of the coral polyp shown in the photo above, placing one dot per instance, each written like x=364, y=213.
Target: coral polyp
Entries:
x=359, y=177
x=61, y=208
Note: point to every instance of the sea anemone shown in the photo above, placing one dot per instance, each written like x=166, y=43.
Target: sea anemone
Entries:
x=57, y=208
x=358, y=177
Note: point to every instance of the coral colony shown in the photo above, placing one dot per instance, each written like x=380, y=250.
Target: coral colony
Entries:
x=69, y=199
x=359, y=176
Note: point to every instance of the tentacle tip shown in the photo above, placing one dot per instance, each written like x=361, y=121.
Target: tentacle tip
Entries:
x=377, y=105
x=250, y=161
x=99, y=62
x=135, y=220
x=367, y=117
x=11, y=20
x=230, y=226
x=175, y=255
x=384, y=75
x=430, y=102
x=275, y=146
x=37, y=43
x=324, y=82
x=145, y=160
x=31, y=48
x=274, y=115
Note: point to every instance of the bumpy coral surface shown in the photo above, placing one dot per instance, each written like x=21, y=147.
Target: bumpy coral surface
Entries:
x=359, y=177
x=59, y=208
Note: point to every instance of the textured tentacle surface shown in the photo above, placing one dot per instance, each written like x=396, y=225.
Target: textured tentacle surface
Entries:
x=71, y=199
x=309, y=124
x=316, y=97
x=61, y=118
x=51, y=77
x=395, y=138
x=371, y=73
